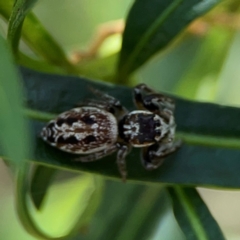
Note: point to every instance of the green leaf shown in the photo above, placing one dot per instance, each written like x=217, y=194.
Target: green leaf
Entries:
x=152, y=25
x=22, y=187
x=14, y=137
x=35, y=35
x=40, y=182
x=218, y=42
x=19, y=11
x=102, y=68
x=38, y=65
x=43, y=44
x=193, y=215
x=6, y=8
x=139, y=217
x=143, y=216
x=90, y=199
x=211, y=134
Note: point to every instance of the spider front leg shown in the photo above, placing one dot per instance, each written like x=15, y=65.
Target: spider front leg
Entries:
x=154, y=156
x=147, y=99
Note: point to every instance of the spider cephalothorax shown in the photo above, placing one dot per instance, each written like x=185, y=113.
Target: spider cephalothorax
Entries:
x=142, y=128
x=101, y=127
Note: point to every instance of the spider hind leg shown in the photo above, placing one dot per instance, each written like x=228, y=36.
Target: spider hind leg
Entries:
x=105, y=102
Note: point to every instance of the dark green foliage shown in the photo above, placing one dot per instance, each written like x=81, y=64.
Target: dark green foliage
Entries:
x=190, y=165
x=192, y=215
x=151, y=25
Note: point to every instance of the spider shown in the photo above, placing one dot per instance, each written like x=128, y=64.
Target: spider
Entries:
x=101, y=127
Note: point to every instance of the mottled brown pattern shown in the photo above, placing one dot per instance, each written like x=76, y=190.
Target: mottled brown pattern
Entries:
x=82, y=130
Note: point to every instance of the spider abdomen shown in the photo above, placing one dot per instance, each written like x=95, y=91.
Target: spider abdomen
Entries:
x=82, y=130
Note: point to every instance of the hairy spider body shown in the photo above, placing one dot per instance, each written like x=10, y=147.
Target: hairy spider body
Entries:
x=142, y=128
x=100, y=127
x=82, y=130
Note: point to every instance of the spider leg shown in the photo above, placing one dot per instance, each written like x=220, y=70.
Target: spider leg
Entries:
x=97, y=156
x=154, y=156
x=121, y=155
x=147, y=99
x=169, y=119
x=110, y=103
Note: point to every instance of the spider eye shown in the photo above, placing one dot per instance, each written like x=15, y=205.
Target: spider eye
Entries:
x=158, y=132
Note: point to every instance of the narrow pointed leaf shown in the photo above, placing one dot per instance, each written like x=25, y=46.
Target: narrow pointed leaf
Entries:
x=40, y=183
x=91, y=199
x=14, y=137
x=19, y=11
x=210, y=132
x=218, y=41
x=152, y=25
x=22, y=207
x=35, y=35
x=43, y=44
x=142, y=219
x=193, y=216
x=137, y=220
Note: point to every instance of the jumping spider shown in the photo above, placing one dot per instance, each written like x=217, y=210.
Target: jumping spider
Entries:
x=100, y=127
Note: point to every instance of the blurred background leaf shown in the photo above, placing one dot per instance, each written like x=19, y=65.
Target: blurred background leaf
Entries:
x=162, y=21
x=145, y=207
x=229, y=79
x=37, y=38
x=193, y=216
x=40, y=183
x=64, y=210
x=20, y=9
x=213, y=51
x=14, y=132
